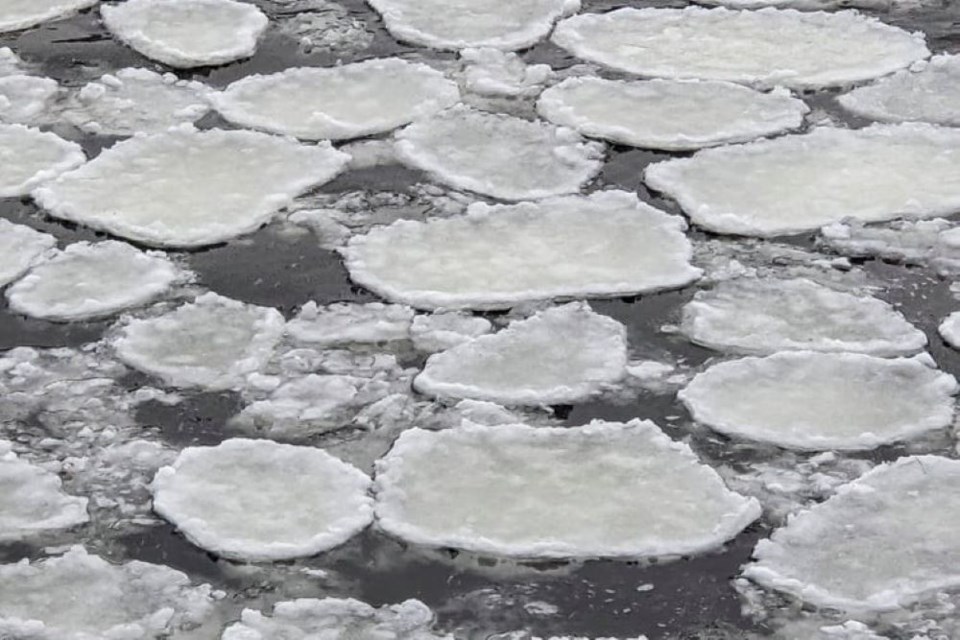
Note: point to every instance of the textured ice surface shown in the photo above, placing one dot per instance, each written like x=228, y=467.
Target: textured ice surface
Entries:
x=798, y=183
x=325, y=26
x=499, y=155
x=882, y=542
x=562, y=355
x=765, y=315
x=26, y=99
x=135, y=100
x=30, y=157
x=815, y=4
x=605, y=244
x=212, y=342
x=765, y=48
x=345, y=322
x=187, y=33
x=924, y=242
x=305, y=406
x=501, y=24
x=606, y=489
x=669, y=114
x=492, y=72
x=949, y=330
x=445, y=330
x=243, y=499
x=20, y=14
x=186, y=188
x=80, y=596
x=91, y=280
x=337, y=103
x=811, y=401
x=20, y=247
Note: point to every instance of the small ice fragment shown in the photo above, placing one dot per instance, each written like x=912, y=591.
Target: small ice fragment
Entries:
x=444, y=330
x=814, y=4
x=244, y=499
x=30, y=157
x=344, y=323
x=21, y=14
x=20, y=248
x=949, y=330
x=25, y=99
x=910, y=241
x=492, y=72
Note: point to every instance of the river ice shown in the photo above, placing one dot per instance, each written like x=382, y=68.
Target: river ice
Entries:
x=345, y=323
x=444, y=330
x=30, y=157
x=492, y=72
x=21, y=14
x=20, y=248
x=26, y=99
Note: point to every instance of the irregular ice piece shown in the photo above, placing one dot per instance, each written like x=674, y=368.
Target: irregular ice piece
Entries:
x=24, y=99
x=441, y=331
x=949, y=330
x=910, y=241
x=501, y=24
x=188, y=188
x=135, y=100
x=79, y=596
x=243, y=499
x=20, y=14
x=605, y=244
x=187, y=33
x=337, y=103
x=603, y=490
x=798, y=183
x=561, y=355
x=92, y=280
x=212, y=342
x=751, y=315
x=20, y=247
x=10, y=63
x=813, y=4
x=812, y=401
x=883, y=542
x=30, y=157
x=345, y=322
x=669, y=114
x=491, y=72
x=766, y=48
x=324, y=25
x=499, y=155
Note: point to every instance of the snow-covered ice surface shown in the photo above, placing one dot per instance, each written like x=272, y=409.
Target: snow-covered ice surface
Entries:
x=949, y=330
x=816, y=4
x=338, y=103
x=26, y=99
x=492, y=72
x=799, y=183
x=444, y=330
x=30, y=157
x=187, y=33
x=817, y=401
x=345, y=323
x=20, y=247
x=768, y=47
x=667, y=114
x=605, y=489
x=21, y=14
x=917, y=242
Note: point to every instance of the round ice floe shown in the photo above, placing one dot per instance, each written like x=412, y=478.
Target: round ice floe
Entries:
x=88, y=280
x=20, y=247
x=561, y=355
x=244, y=499
x=136, y=100
x=187, y=33
x=186, y=188
x=883, y=542
x=603, y=490
x=445, y=330
x=605, y=244
x=799, y=183
x=501, y=24
x=765, y=48
x=811, y=401
x=25, y=99
x=30, y=157
x=345, y=322
x=949, y=330
x=336, y=103
x=20, y=14
x=750, y=315
x=212, y=342
x=499, y=155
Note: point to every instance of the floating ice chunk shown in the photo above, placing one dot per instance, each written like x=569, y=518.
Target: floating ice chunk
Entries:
x=324, y=25
x=812, y=401
x=21, y=14
x=605, y=244
x=79, y=596
x=345, y=322
x=765, y=48
x=20, y=247
x=669, y=114
x=30, y=157
x=337, y=103
x=187, y=188
x=236, y=499
x=949, y=330
x=492, y=72
x=187, y=33
x=88, y=280
x=25, y=99
x=10, y=62
x=813, y=4
x=212, y=342
x=561, y=355
x=884, y=541
x=798, y=183
x=911, y=241
x=445, y=330
x=751, y=315
x=135, y=100
x=501, y=24
x=602, y=490
x=499, y=155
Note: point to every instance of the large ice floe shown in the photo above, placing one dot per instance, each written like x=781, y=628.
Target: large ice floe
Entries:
x=80, y=596
x=212, y=342
x=27, y=99
x=337, y=103
x=345, y=323
x=30, y=157
x=602, y=490
x=561, y=355
x=765, y=315
x=668, y=114
x=815, y=401
x=501, y=24
x=21, y=14
x=799, y=183
x=91, y=280
x=187, y=33
x=605, y=244
x=187, y=188
x=884, y=541
x=20, y=248
x=499, y=155
x=235, y=499
x=801, y=50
